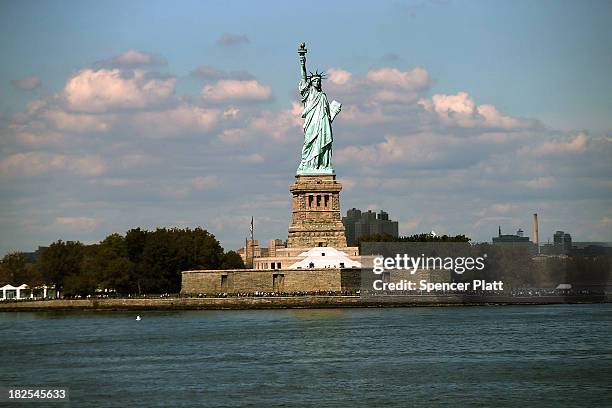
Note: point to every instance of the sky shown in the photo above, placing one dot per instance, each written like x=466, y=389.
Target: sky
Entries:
x=458, y=116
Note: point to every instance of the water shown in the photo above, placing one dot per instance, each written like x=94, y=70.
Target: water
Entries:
x=553, y=356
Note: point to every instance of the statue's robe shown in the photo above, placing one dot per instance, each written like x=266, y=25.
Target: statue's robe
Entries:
x=318, y=138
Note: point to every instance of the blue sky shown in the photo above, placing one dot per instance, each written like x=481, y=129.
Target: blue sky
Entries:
x=80, y=163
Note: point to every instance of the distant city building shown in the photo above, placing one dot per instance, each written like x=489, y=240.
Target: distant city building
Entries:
x=562, y=242
x=33, y=256
x=518, y=237
x=515, y=239
x=358, y=223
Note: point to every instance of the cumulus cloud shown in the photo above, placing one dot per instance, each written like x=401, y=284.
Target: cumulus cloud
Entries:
x=228, y=90
x=461, y=110
x=338, y=76
x=414, y=79
x=27, y=83
x=503, y=208
x=577, y=144
x=124, y=132
x=378, y=87
x=37, y=163
x=254, y=158
x=30, y=139
x=107, y=89
x=184, y=119
x=422, y=149
x=81, y=224
x=131, y=59
x=76, y=122
x=188, y=187
x=277, y=124
x=228, y=39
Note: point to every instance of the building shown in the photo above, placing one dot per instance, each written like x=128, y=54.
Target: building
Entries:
x=325, y=257
x=314, y=258
x=10, y=292
x=252, y=249
x=358, y=223
x=509, y=238
x=562, y=242
x=515, y=239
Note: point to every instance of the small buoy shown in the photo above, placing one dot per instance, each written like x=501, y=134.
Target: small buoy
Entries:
x=138, y=317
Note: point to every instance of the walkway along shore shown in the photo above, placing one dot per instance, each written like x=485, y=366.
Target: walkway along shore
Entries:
x=293, y=302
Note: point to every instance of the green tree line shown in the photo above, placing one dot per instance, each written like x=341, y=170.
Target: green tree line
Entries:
x=139, y=262
x=382, y=237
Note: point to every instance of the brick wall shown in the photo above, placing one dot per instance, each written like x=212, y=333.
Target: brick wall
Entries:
x=249, y=280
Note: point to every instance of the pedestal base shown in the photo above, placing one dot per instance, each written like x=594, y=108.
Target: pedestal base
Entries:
x=316, y=219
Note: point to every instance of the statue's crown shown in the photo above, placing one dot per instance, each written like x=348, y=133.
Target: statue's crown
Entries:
x=317, y=74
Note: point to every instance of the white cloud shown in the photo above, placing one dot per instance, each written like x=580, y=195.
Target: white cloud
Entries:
x=133, y=58
x=184, y=119
x=578, y=144
x=236, y=90
x=86, y=166
x=185, y=188
x=277, y=124
x=39, y=139
x=254, y=158
x=338, y=76
x=37, y=163
x=414, y=79
x=79, y=123
x=82, y=224
x=119, y=182
x=31, y=163
x=413, y=150
x=106, y=89
x=503, y=208
x=461, y=110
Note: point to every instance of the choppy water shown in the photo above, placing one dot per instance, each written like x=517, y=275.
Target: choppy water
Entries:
x=485, y=356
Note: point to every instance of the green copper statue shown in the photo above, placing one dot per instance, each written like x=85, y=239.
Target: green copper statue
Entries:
x=318, y=115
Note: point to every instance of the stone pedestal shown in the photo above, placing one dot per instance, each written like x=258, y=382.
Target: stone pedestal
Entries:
x=316, y=219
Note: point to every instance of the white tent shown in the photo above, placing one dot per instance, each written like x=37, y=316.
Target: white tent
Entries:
x=15, y=292
x=324, y=257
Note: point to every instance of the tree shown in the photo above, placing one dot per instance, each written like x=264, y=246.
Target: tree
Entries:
x=15, y=269
x=232, y=260
x=382, y=237
x=60, y=261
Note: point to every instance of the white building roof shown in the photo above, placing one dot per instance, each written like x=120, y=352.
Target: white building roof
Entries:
x=325, y=257
x=11, y=287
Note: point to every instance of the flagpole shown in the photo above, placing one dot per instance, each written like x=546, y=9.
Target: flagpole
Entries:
x=252, y=244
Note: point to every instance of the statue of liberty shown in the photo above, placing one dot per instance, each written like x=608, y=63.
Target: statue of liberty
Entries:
x=318, y=115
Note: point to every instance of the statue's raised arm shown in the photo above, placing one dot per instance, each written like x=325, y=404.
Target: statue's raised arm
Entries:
x=302, y=52
x=318, y=115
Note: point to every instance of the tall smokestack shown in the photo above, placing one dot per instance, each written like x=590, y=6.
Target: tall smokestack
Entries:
x=536, y=237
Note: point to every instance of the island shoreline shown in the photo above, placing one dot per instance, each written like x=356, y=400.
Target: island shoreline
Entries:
x=295, y=302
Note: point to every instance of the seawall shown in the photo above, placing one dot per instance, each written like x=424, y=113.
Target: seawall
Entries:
x=287, y=302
